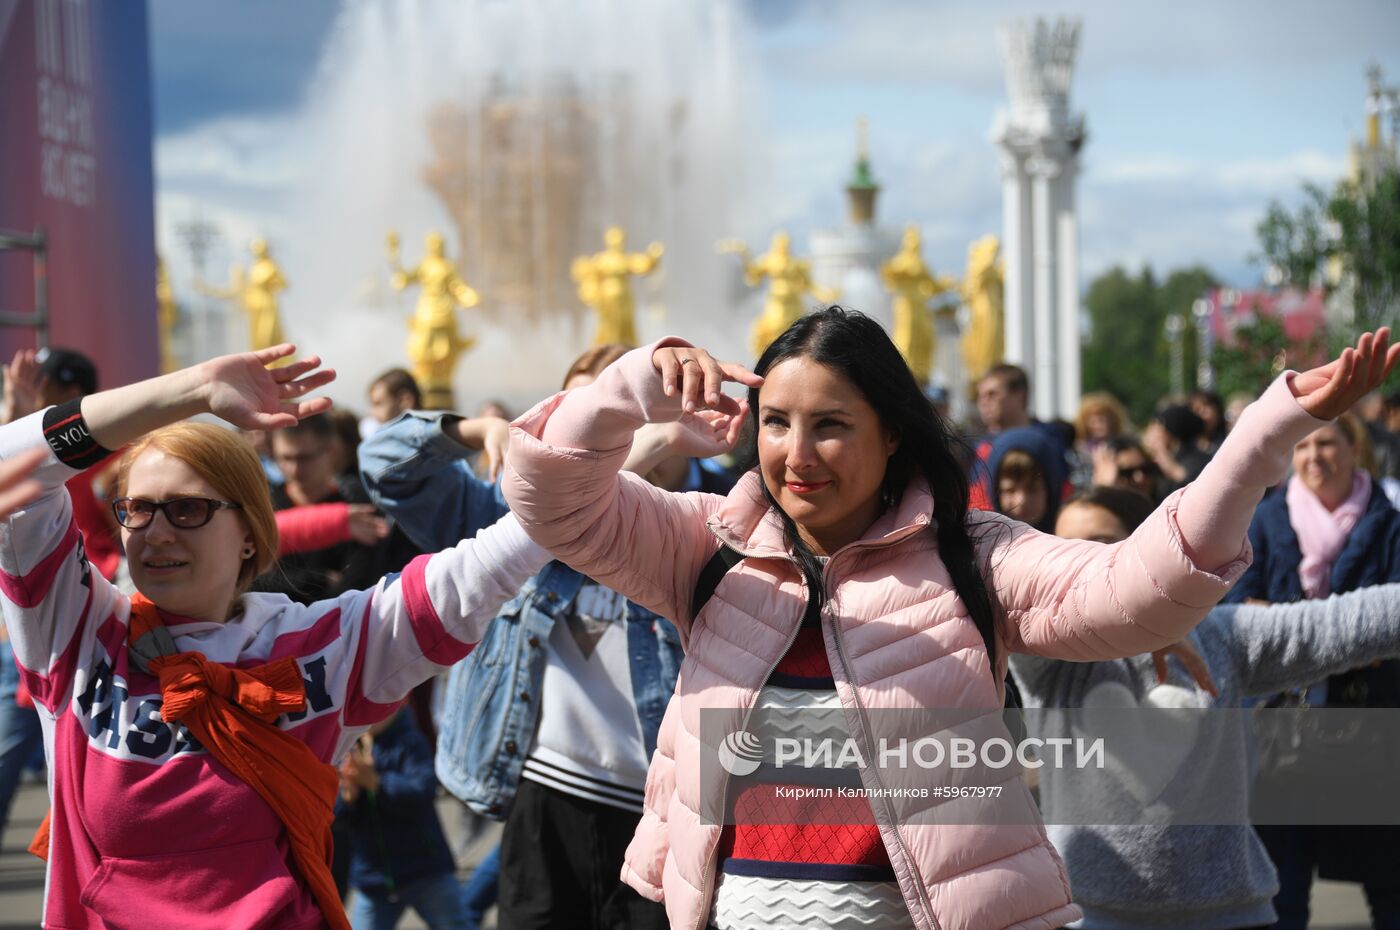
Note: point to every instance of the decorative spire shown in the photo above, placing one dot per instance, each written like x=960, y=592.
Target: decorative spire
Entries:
x=862, y=189
x=1377, y=151
x=1039, y=59
x=1375, y=104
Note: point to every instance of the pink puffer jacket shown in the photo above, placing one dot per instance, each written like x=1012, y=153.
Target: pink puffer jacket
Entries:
x=896, y=634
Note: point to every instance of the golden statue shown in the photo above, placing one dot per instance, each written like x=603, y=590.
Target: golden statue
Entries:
x=982, y=344
x=434, y=344
x=256, y=290
x=604, y=285
x=914, y=285
x=167, y=314
x=790, y=280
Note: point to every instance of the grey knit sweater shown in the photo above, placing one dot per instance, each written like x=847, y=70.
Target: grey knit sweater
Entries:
x=1205, y=877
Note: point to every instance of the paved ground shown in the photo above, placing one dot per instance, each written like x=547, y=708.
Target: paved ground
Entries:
x=1335, y=906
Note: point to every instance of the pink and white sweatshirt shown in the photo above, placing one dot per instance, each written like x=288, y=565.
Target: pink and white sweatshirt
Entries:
x=148, y=831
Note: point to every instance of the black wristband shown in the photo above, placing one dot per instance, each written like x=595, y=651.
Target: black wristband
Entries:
x=68, y=436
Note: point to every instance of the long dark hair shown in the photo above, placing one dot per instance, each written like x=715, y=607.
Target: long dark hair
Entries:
x=856, y=347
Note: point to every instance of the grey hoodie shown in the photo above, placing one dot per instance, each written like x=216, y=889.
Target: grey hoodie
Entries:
x=1204, y=877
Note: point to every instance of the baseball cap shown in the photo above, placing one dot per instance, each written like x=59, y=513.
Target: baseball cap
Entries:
x=67, y=366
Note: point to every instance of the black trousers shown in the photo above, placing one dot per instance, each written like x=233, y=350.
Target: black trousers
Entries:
x=560, y=859
x=1296, y=853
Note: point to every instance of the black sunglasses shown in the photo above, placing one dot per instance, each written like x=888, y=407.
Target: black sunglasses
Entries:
x=1140, y=471
x=186, y=513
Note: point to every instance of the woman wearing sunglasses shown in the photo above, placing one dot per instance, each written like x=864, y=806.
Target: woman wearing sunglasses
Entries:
x=189, y=728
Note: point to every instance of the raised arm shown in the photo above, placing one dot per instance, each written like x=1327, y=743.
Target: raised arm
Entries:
x=49, y=593
x=232, y=292
x=415, y=469
x=423, y=620
x=462, y=292
x=320, y=526
x=1283, y=646
x=237, y=388
x=23, y=381
x=1080, y=600
x=1217, y=507
x=563, y=482
x=645, y=262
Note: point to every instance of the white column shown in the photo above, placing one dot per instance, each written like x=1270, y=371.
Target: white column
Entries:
x=1067, y=279
x=1043, y=374
x=1026, y=253
x=1016, y=308
x=949, y=371
x=1042, y=252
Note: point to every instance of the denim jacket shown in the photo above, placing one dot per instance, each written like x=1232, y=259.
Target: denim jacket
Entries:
x=420, y=477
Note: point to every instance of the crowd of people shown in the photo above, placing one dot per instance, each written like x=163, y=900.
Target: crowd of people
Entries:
x=254, y=656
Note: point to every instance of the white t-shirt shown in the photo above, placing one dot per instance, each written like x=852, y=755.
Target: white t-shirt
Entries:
x=589, y=742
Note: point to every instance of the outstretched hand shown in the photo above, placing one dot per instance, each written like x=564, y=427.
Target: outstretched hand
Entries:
x=1187, y=653
x=367, y=527
x=488, y=435
x=1105, y=465
x=23, y=381
x=495, y=446
x=700, y=377
x=1330, y=390
x=244, y=391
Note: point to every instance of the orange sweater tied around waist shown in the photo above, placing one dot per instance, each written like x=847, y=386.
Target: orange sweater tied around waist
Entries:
x=231, y=712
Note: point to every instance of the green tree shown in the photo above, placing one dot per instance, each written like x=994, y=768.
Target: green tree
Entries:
x=1357, y=226
x=1257, y=353
x=1293, y=245
x=1368, y=246
x=1178, y=294
x=1127, y=352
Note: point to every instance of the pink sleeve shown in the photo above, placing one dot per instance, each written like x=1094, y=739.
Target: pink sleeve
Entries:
x=54, y=603
x=419, y=622
x=1217, y=507
x=306, y=529
x=1069, y=599
x=563, y=485
x=1085, y=601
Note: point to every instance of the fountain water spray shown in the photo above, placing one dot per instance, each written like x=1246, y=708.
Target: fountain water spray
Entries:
x=521, y=130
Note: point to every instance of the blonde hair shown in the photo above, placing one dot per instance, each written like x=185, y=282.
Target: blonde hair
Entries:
x=225, y=460
x=1354, y=431
x=1100, y=402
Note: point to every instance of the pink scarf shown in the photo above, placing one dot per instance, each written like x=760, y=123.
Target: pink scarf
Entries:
x=1321, y=532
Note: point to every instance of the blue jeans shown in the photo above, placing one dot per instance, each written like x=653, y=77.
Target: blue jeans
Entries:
x=20, y=733
x=436, y=898
x=479, y=893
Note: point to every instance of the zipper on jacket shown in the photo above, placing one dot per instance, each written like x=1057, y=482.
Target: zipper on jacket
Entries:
x=886, y=803
x=706, y=903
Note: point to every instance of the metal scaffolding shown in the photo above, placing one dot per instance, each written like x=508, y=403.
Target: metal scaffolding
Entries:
x=38, y=319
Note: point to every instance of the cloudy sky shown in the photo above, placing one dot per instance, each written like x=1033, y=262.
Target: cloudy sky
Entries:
x=1199, y=112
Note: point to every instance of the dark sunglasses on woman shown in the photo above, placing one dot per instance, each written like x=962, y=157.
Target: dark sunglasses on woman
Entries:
x=1139, y=471
x=186, y=513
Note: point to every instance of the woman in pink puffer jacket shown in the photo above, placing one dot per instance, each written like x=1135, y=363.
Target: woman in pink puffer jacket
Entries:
x=864, y=583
